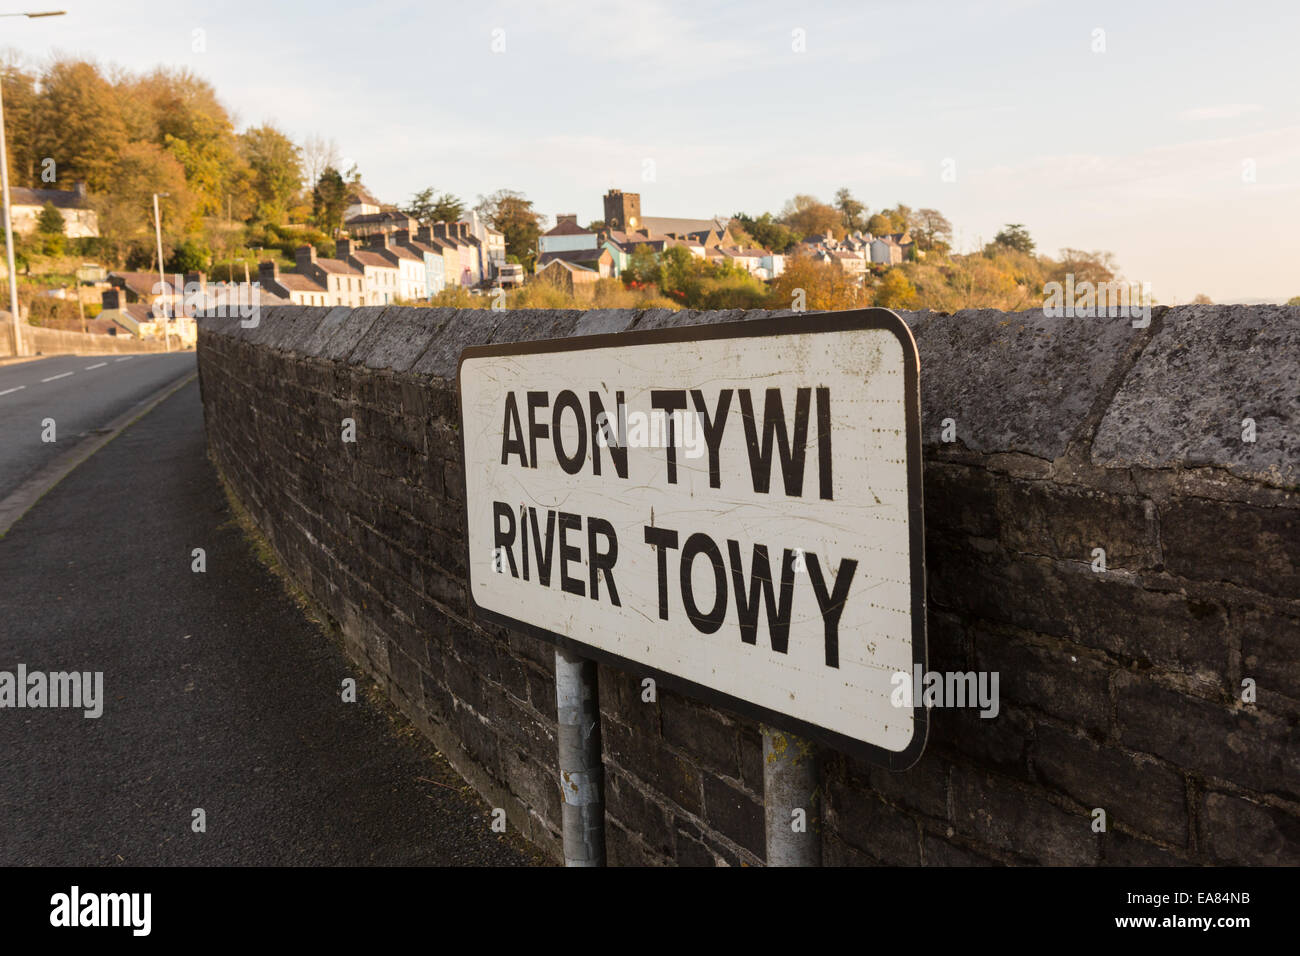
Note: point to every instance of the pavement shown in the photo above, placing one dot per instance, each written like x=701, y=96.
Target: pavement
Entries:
x=219, y=693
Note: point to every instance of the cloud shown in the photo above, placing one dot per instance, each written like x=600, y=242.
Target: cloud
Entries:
x=1224, y=111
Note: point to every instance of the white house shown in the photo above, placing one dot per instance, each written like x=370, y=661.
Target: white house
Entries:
x=566, y=236
x=79, y=220
x=344, y=284
x=412, y=282
x=430, y=251
x=381, y=275
x=492, y=243
x=469, y=267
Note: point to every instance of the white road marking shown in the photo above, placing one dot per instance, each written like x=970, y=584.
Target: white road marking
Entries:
x=17, y=389
x=124, y=358
x=100, y=365
x=53, y=377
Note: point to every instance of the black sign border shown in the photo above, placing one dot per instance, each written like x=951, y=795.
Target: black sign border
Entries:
x=802, y=323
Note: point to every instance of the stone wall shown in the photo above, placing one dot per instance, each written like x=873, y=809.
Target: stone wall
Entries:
x=42, y=341
x=1120, y=689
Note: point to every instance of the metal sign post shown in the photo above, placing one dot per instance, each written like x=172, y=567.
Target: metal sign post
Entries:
x=791, y=800
x=582, y=774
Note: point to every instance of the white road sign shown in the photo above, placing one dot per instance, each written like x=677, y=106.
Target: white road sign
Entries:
x=734, y=509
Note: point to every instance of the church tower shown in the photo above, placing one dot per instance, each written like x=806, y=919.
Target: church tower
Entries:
x=622, y=211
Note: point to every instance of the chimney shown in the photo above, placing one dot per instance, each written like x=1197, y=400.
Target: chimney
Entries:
x=304, y=257
x=80, y=190
x=380, y=240
x=111, y=299
x=342, y=248
x=440, y=230
x=424, y=234
x=402, y=236
x=268, y=272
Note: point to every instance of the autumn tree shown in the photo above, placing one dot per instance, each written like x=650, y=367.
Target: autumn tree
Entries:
x=1095, y=267
x=815, y=285
x=126, y=212
x=880, y=225
x=932, y=230
x=767, y=232
x=894, y=291
x=22, y=112
x=807, y=216
x=183, y=115
x=902, y=217
x=277, y=170
x=80, y=125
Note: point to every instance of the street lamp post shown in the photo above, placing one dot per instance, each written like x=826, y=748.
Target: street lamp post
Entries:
x=9, y=233
x=4, y=187
x=162, y=279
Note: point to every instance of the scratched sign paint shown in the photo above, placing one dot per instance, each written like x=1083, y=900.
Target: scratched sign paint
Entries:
x=734, y=509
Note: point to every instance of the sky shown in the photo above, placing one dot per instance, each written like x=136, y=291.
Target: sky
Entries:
x=1167, y=133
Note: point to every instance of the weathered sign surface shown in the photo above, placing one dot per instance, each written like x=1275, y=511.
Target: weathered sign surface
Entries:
x=732, y=509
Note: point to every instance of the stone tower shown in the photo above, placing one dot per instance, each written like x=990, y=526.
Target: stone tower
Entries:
x=622, y=210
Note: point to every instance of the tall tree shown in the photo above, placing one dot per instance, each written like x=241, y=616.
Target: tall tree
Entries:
x=22, y=112
x=881, y=224
x=1015, y=236
x=185, y=117
x=851, y=211
x=767, y=232
x=81, y=126
x=126, y=212
x=329, y=199
x=932, y=230
x=421, y=205
x=277, y=170
x=507, y=211
x=901, y=216
x=448, y=209
x=1094, y=267
x=808, y=216
x=318, y=155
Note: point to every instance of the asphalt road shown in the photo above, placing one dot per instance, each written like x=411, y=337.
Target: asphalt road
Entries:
x=81, y=393
x=219, y=693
